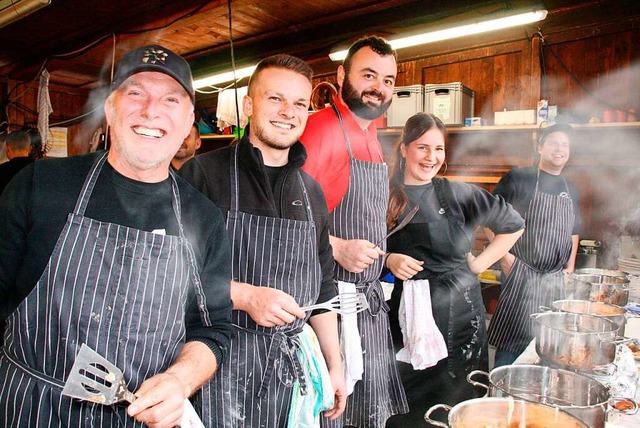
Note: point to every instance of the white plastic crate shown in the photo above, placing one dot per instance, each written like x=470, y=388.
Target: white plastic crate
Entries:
x=451, y=102
x=407, y=101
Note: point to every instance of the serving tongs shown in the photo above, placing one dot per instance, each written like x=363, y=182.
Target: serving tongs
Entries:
x=410, y=215
x=344, y=304
x=94, y=378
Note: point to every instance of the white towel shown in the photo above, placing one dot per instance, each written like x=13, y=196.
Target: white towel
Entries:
x=350, y=342
x=424, y=345
x=226, y=109
x=44, y=110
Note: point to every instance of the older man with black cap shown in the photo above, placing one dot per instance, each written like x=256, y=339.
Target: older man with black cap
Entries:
x=114, y=251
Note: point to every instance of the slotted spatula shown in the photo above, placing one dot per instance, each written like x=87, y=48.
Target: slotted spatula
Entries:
x=344, y=304
x=94, y=378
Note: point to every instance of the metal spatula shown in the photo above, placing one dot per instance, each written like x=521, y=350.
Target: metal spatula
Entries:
x=94, y=378
x=344, y=304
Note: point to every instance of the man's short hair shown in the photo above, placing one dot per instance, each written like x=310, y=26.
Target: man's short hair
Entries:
x=283, y=61
x=558, y=127
x=18, y=141
x=377, y=44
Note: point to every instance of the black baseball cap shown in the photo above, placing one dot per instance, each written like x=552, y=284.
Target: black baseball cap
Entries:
x=155, y=58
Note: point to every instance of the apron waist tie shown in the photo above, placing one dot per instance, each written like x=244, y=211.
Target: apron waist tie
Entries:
x=375, y=297
x=286, y=344
x=541, y=272
x=35, y=374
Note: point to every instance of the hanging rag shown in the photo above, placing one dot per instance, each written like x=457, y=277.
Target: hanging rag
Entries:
x=226, y=109
x=44, y=109
x=424, y=345
x=350, y=342
x=305, y=409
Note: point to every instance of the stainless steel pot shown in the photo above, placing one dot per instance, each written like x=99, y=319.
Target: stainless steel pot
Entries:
x=574, y=341
x=598, y=285
x=503, y=412
x=577, y=394
x=613, y=312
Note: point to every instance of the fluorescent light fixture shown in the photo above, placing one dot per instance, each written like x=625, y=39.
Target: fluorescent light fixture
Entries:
x=464, y=30
x=13, y=10
x=223, y=77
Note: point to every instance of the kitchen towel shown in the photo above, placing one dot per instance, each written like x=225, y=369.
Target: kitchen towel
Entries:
x=423, y=343
x=350, y=342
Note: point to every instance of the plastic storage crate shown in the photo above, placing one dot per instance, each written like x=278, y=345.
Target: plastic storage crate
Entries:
x=407, y=101
x=451, y=102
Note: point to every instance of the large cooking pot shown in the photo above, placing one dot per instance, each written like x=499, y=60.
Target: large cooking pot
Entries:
x=503, y=412
x=613, y=312
x=577, y=394
x=579, y=342
x=598, y=285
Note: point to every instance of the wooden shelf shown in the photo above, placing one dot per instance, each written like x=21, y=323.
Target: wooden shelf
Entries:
x=390, y=132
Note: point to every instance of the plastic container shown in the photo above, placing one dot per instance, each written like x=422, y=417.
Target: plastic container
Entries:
x=407, y=101
x=451, y=102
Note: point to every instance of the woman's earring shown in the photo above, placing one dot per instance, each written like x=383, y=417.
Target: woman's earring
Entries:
x=445, y=168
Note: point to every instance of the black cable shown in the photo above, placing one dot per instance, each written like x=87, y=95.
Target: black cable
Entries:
x=233, y=68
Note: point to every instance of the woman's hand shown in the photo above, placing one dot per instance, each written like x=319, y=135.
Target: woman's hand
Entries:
x=402, y=266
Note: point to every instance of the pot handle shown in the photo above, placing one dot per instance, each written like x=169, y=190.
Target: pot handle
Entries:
x=476, y=383
x=624, y=405
x=433, y=409
x=621, y=339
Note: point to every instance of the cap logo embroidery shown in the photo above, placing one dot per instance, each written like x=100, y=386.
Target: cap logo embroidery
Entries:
x=153, y=56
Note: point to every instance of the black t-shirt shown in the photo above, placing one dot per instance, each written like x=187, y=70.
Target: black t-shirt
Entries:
x=518, y=186
x=34, y=210
x=469, y=205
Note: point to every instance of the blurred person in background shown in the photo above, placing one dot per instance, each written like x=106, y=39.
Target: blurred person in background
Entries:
x=437, y=313
x=188, y=148
x=18, y=149
x=533, y=270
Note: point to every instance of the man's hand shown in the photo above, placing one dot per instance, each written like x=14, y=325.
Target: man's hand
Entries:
x=402, y=266
x=340, y=394
x=354, y=255
x=160, y=401
x=268, y=307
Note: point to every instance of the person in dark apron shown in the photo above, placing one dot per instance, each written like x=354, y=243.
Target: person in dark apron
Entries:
x=533, y=271
x=110, y=250
x=281, y=257
x=346, y=158
x=434, y=251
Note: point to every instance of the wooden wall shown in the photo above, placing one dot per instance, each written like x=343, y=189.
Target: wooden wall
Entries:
x=582, y=71
x=67, y=103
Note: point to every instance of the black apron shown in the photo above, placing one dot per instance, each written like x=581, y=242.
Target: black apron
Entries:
x=253, y=388
x=536, y=276
x=361, y=215
x=122, y=291
x=458, y=310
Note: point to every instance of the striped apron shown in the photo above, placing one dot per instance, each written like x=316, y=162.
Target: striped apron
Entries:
x=122, y=291
x=253, y=388
x=361, y=215
x=536, y=276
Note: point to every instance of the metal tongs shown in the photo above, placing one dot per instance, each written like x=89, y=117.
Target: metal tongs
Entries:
x=411, y=214
x=344, y=304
